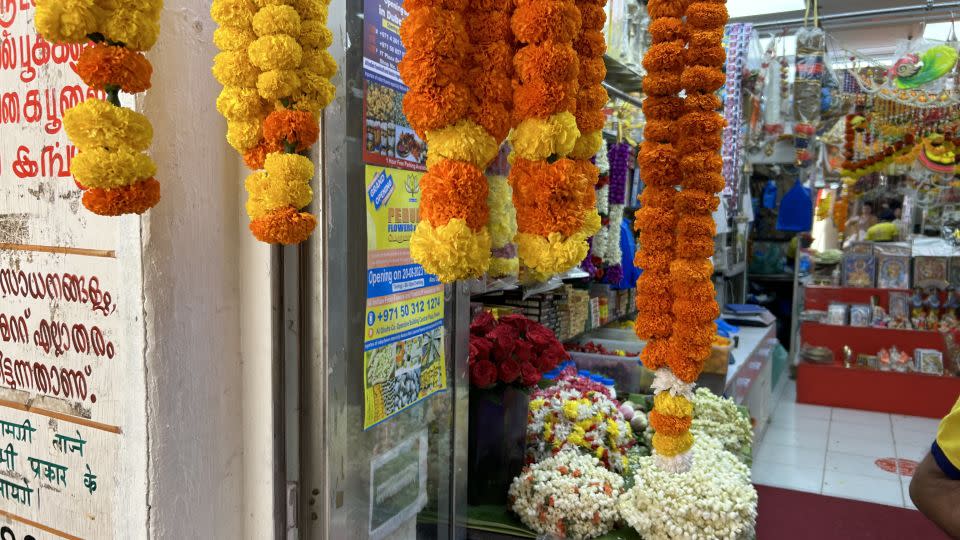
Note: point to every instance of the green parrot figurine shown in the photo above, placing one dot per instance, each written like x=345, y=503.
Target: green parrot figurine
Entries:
x=913, y=71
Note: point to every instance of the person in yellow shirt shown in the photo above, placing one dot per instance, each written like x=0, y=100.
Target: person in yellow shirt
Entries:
x=935, y=487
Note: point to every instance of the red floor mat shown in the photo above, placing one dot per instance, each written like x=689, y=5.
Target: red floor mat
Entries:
x=792, y=515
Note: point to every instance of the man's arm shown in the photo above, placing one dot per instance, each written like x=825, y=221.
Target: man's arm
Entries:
x=937, y=496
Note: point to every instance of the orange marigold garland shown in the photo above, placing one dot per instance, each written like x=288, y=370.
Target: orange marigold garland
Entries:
x=457, y=103
x=659, y=167
x=694, y=307
x=111, y=165
x=554, y=195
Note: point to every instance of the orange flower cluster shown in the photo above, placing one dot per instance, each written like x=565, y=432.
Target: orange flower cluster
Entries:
x=660, y=169
x=133, y=199
x=554, y=195
x=459, y=91
x=102, y=66
x=591, y=96
x=293, y=131
x=700, y=137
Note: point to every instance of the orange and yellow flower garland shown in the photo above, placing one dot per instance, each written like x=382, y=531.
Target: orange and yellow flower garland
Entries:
x=553, y=195
x=452, y=239
x=111, y=166
x=687, y=289
x=275, y=70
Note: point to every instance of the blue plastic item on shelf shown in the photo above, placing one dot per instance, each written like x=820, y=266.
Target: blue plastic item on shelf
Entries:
x=726, y=329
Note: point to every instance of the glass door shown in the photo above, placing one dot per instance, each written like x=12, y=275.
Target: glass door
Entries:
x=383, y=385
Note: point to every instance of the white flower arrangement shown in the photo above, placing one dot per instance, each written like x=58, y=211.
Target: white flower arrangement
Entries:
x=665, y=381
x=600, y=243
x=721, y=419
x=614, y=254
x=601, y=159
x=569, y=495
x=566, y=417
x=603, y=199
x=714, y=499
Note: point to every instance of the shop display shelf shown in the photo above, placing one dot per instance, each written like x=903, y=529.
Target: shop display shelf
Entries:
x=913, y=394
x=621, y=76
x=819, y=296
x=867, y=339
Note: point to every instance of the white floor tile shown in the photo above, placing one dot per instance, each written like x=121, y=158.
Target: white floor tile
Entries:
x=901, y=434
x=913, y=450
x=794, y=423
x=914, y=423
x=905, y=488
x=802, y=410
x=768, y=473
x=854, y=416
x=813, y=437
x=861, y=446
x=840, y=462
x=863, y=488
x=790, y=455
x=860, y=431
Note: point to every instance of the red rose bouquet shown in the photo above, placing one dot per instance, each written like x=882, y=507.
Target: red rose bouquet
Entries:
x=511, y=350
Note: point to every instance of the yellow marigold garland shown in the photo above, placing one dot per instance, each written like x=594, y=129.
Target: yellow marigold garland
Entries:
x=275, y=71
x=110, y=166
x=452, y=240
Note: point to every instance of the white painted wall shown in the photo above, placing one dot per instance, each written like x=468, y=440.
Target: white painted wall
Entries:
x=210, y=434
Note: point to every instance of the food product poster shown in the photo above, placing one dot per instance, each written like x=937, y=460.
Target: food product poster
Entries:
x=388, y=139
x=403, y=359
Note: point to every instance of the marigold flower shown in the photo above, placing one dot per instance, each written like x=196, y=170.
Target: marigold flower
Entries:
x=664, y=57
x=285, y=127
x=663, y=108
x=101, y=65
x=665, y=29
x=694, y=248
x=668, y=446
x=690, y=271
x=439, y=30
x=537, y=21
x=702, y=79
x=662, y=83
x=275, y=52
x=550, y=197
x=700, y=162
x=434, y=107
x=713, y=56
x=587, y=145
x=654, y=354
x=660, y=131
x=310, y=9
x=319, y=62
x=240, y=104
x=493, y=116
x=454, y=190
x=694, y=201
x=136, y=29
x=283, y=226
x=451, y=252
x=695, y=312
x=95, y=124
x=658, y=197
x=593, y=16
x=712, y=182
x=539, y=138
x=703, y=102
x=590, y=120
x=672, y=426
x=421, y=68
x=665, y=8
x=704, y=15
x=66, y=21
x=592, y=71
x=133, y=199
x=550, y=61
x=591, y=44
x=485, y=27
x=275, y=20
x=314, y=34
x=711, y=142
x=705, y=38
x=233, y=13
x=553, y=254
x=244, y=135
x=541, y=99
x=592, y=97
x=463, y=141
x=232, y=68
x=697, y=124
x=278, y=84
x=255, y=156
x=103, y=168
x=667, y=403
x=454, y=5
x=232, y=38
x=659, y=164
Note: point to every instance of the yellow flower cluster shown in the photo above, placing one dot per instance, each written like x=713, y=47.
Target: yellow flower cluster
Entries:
x=463, y=141
x=503, y=228
x=453, y=250
x=538, y=138
x=284, y=181
x=273, y=60
x=134, y=23
x=546, y=256
x=111, y=141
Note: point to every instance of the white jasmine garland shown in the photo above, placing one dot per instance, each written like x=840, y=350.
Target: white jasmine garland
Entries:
x=601, y=160
x=676, y=464
x=614, y=254
x=603, y=199
x=721, y=419
x=569, y=495
x=665, y=381
x=600, y=243
x=714, y=499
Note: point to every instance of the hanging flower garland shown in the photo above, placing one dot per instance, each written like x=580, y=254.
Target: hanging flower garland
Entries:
x=503, y=228
x=619, y=169
x=276, y=75
x=694, y=299
x=660, y=170
x=117, y=177
x=452, y=239
x=553, y=195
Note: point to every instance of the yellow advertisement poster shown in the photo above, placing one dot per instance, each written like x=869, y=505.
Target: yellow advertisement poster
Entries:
x=403, y=359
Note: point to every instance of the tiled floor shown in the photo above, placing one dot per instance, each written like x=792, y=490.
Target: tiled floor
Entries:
x=840, y=452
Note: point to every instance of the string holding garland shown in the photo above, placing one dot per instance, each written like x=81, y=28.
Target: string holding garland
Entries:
x=275, y=71
x=111, y=166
